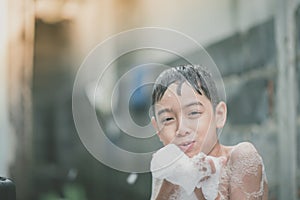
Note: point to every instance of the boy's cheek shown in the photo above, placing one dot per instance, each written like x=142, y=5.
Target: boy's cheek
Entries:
x=166, y=138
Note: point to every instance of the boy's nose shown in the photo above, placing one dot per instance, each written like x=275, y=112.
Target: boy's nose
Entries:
x=182, y=129
x=181, y=133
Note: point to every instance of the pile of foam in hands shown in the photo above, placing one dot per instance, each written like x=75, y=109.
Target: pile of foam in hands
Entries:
x=200, y=171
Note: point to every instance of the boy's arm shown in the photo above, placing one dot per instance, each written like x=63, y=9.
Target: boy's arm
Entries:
x=248, y=180
x=199, y=194
x=167, y=190
x=163, y=190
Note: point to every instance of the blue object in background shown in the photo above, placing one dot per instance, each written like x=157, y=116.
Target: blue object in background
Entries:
x=141, y=96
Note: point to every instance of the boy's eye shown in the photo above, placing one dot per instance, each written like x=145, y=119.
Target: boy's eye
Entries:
x=193, y=113
x=167, y=119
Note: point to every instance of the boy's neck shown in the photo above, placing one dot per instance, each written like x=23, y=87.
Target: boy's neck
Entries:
x=217, y=151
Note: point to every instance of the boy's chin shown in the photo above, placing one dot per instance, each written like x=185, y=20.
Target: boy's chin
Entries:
x=194, y=152
x=191, y=153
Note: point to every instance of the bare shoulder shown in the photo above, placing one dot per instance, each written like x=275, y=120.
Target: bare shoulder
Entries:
x=248, y=178
x=244, y=150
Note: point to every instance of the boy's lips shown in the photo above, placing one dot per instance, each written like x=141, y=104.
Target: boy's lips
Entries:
x=186, y=146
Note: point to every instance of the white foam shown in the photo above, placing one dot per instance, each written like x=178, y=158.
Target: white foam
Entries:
x=210, y=186
x=172, y=164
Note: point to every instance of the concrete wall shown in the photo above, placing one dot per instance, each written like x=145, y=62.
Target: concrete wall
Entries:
x=16, y=46
x=6, y=139
x=207, y=21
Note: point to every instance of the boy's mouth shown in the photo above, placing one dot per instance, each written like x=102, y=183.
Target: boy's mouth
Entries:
x=186, y=146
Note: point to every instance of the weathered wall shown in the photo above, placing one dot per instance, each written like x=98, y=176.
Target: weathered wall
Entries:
x=17, y=32
x=6, y=139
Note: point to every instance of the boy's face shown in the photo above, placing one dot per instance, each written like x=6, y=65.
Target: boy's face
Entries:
x=188, y=120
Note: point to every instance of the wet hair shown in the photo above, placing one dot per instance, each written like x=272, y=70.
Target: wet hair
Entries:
x=197, y=76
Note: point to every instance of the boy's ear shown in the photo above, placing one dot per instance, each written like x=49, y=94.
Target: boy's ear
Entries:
x=154, y=123
x=221, y=114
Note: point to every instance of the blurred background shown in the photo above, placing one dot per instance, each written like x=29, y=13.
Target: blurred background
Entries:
x=255, y=44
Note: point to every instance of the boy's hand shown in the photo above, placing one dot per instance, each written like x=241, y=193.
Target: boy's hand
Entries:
x=206, y=166
x=172, y=164
x=208, y=186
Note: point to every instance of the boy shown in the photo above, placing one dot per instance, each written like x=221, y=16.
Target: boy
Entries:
x=188, y=114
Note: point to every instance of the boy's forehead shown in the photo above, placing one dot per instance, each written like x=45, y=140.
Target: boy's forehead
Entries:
x=179, y=92
x=172, y=100
x=181, y=89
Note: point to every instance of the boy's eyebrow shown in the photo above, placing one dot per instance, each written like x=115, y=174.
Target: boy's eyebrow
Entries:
x=196, y=103
x=164, y=110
